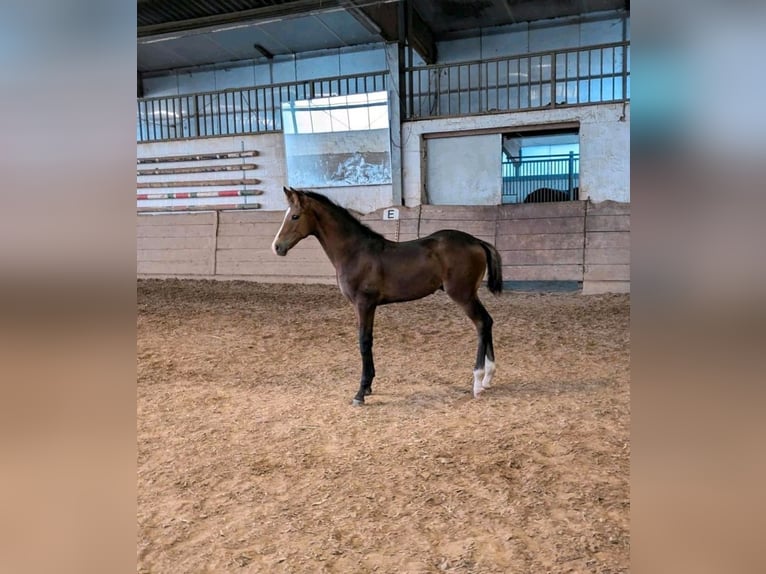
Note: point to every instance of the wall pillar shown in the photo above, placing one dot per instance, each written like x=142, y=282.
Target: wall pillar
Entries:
x=393, y=64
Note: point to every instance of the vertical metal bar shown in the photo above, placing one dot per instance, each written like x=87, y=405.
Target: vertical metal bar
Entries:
x=231, y=113
x=144, y=122
x=148, y=116
x=212, y=115
x=236, y=112
x=199, y=102
x=624, y=71
x=249, y=99
x=160, y=115
x=486, y=88
x=164, y=119
x=529, y=82
x=182, y=116
x=554, y=89
x=508, y=84
x=203, y=116
x=448, y=69
x=601, y=76
x=139, y=122
x=195, y=111
x=497, y=84
x=411, y=88
x=410, y=72
x=273, y=111
x=571, y=174
x=209, y=129
x=241, y=111
x=175, y=117
x=149, y=119
x=225, y=111
x=577, y=76
x=222, y=127
x=259, y=109
x=590, y=74
x=158, y=118
x=218, y=105
x=480, y=87
x=154, y=123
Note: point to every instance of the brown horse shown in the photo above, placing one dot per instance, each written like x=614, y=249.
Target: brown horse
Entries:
x=372, y=271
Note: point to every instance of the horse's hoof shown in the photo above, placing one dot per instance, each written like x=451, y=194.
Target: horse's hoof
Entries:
x=358, y=403
x=367, y=392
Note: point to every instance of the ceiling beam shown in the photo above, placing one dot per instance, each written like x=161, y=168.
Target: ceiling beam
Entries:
x=421, y=37
x=419, y=34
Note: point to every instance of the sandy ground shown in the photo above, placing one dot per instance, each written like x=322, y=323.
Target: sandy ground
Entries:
x=251, y=458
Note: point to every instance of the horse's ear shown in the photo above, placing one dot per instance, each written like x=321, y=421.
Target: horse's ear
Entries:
x=300, y=196
x=290, y=194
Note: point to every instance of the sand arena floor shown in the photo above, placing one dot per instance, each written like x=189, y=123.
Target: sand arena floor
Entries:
x=251, y=458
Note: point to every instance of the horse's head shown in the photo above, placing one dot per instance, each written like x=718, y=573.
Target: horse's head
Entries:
x=298, y=223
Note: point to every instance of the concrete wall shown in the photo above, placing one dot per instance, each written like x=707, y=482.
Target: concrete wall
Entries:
x=570, y=241
x=604, y=146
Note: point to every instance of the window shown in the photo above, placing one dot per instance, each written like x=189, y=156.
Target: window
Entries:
x=335, y=141
x=540, y=166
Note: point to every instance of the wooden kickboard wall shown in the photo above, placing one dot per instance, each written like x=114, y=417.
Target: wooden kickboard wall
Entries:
x=567, y=241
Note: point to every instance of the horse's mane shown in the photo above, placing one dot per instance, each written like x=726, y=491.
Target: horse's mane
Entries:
x=344, y=215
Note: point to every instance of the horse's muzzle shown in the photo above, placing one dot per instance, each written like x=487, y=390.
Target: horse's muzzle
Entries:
x=280, y=250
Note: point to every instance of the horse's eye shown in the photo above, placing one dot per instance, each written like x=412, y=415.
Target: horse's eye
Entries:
x=294, y=217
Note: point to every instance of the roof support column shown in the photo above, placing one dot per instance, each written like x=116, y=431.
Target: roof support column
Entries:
x=396, y=92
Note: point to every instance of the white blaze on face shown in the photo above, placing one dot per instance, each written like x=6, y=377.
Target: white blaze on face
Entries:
x=274, y=243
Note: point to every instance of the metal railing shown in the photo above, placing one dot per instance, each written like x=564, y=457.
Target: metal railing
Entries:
x=576, y=76
x=239, y=110
x=541, y=178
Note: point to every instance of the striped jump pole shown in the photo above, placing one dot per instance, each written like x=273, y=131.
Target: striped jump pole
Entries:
x=216, y=207
x=198, y=194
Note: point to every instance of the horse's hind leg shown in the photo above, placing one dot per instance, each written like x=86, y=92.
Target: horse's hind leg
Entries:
x=484, y=367
x=489, y=363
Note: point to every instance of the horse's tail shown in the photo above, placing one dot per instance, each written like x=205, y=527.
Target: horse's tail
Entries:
x=495, y=267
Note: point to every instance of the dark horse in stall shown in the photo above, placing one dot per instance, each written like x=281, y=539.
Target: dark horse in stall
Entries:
x=545, y=194
x=372, y=271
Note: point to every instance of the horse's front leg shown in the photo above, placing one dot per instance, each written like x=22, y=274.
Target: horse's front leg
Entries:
x=366, y=319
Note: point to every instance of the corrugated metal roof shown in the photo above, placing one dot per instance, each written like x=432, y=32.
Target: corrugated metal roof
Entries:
x=151, y=12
